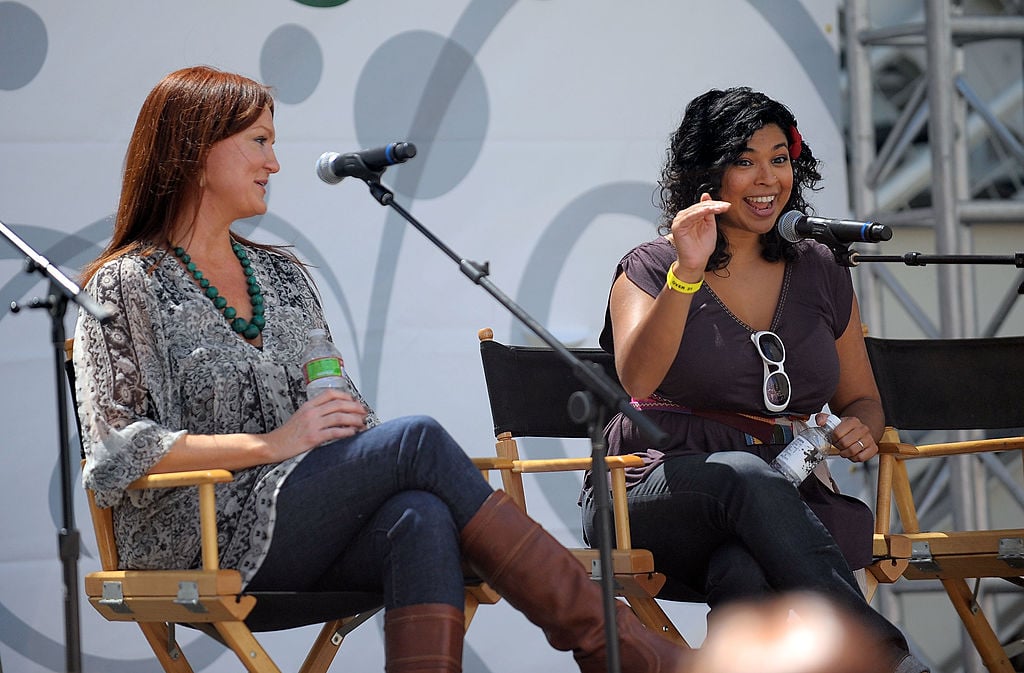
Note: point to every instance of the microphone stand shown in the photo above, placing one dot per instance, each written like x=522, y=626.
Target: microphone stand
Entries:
x=62, y=289
x=589, y=406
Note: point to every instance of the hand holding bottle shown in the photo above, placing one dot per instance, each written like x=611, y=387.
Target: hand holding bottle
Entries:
x=806, y=451
x=854, y=441
x=330, y=416
x=332, y=408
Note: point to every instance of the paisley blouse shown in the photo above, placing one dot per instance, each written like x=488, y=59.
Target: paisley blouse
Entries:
x=169, y=364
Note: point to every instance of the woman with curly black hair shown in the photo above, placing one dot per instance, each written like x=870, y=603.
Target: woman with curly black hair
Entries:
x=732, y=339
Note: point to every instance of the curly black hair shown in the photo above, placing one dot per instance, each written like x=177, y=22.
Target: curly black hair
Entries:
x=713, y=133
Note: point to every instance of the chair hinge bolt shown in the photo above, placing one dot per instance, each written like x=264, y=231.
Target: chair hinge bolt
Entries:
x=1011, y=551
x=921, y=557
x=188, y=597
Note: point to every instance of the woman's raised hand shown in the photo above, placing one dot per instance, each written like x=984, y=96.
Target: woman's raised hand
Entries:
x=694, y=235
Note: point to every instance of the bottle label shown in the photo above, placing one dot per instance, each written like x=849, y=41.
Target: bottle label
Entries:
x=321, y=367
x=803, y=454
x=798, y=459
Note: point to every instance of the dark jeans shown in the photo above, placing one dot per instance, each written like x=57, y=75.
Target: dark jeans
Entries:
x=725, y=527
x=380, y=511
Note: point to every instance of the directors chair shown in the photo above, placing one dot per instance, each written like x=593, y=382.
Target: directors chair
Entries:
x=211, y=599
x=528, y=389
x=951, y=385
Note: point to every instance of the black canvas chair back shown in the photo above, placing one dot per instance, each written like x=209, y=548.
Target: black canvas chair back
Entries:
x=950, y=384
x=529, y=388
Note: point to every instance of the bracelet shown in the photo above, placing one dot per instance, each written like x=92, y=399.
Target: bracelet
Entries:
x=681, y=286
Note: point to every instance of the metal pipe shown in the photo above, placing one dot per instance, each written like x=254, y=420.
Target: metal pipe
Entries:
x=862, y=146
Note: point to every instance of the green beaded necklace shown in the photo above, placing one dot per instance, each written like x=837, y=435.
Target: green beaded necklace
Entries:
x=250, y=329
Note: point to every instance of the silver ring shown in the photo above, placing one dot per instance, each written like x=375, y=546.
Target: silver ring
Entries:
x=862, y=446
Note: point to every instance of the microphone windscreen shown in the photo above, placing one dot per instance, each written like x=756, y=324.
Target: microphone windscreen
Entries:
x=787, y=225
x=324, y=169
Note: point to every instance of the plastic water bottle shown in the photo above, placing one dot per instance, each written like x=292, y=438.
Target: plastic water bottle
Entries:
x=806, y=451
x=322, y=365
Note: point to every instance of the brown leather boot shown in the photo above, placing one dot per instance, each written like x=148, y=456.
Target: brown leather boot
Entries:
x=544, y=581
x=424, y=638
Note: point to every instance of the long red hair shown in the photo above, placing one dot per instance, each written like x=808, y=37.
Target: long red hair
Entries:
x=182, y=117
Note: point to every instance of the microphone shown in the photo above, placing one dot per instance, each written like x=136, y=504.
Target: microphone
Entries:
x=366, y=164
x=794, y=225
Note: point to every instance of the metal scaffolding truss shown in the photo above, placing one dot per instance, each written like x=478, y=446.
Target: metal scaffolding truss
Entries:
x=921, y=176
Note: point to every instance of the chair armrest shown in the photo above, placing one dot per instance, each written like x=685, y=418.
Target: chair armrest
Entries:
x=176, y=479
x=502, y=465
x=204, y=481
x=616, y=467
x=970, y=446
x=496, y=463
x=899, y=449
x=570, y=464
x=890, y=445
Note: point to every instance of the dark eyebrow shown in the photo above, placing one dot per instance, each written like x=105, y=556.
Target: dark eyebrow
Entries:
x=779, y=146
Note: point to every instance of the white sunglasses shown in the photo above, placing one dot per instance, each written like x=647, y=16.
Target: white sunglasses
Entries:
x=776, y=388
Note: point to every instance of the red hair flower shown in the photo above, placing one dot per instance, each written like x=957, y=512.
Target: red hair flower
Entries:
x=796, y=143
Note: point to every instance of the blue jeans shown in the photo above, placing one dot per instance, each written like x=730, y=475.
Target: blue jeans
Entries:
x=380, y=511
x=725, y=526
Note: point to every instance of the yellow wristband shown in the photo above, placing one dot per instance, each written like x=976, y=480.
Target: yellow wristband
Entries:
x=681, y=286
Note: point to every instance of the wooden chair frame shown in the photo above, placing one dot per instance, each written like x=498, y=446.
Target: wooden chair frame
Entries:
x=211, y=599
x=950, y=556
x=636, y=579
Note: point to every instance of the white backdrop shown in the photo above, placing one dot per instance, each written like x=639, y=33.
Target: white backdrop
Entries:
x=541, y=127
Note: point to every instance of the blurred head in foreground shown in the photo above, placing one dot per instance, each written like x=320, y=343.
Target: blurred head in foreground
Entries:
x=799, y=633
